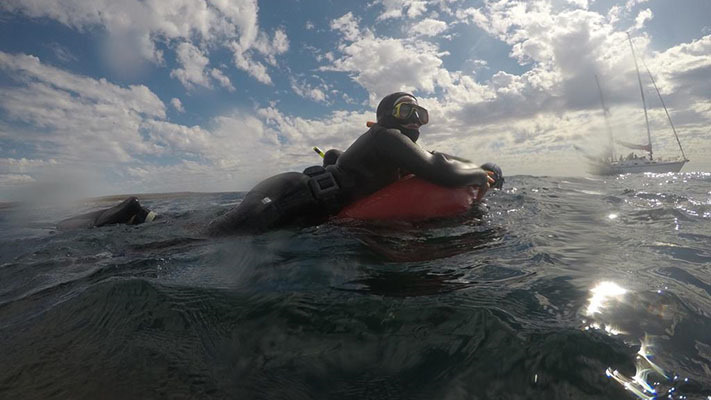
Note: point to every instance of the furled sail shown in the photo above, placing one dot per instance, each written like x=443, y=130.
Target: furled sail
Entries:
x=645, y=147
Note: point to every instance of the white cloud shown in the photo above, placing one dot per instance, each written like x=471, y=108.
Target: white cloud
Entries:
x=336, y=130
x=383, y=65
x=280, y=42
x=83, y=124
x=136, y=26
x=642, y=17
x=348, y=26
x=683, y=71
x=107, y=123
x=548, y=105
x=76, y=117
x=193, y=63
x=445, y=6
x=429, y=27
x=21, y=165
x=15, y=179
x=177, y=105
x=18, y=171
x=632, y=3
x=136, y=98
x=223, y=80
x=307, y=91
x=613, y=16
x=580, y=3
x=386, y=65
x=174, y=19
x=245, y=62
x=62, y=53
x=402, y=8
x=164, y=135
x=564, y=49
x=624, y=13
x=195, y=69
x=270, y=48
x=242, y=53
x=246, y=146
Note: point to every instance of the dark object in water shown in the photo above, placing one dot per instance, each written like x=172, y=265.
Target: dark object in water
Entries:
x=128, y=212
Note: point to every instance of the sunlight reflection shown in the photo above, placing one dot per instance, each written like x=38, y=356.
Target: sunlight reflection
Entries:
x=602, y=294
x=612, y=330
x=644, y=366
x=629, y=384
x=645, y=353
x=609, y=329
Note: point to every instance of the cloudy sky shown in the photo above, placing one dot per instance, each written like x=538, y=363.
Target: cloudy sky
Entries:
x=134, y=96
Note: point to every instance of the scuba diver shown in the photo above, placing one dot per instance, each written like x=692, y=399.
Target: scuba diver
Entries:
x=379, y=157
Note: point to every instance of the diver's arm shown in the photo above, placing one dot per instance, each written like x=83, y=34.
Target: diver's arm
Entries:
x=451, y=157
x=433, y=167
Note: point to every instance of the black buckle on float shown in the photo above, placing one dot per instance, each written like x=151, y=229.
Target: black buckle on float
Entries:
x=322, y=183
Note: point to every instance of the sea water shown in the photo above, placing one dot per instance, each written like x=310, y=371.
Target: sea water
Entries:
x=553, y=288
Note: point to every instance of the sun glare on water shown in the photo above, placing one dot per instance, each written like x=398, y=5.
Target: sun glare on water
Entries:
x=602, y=294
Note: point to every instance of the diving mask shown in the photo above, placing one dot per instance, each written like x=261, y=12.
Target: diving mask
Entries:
x=403, y=111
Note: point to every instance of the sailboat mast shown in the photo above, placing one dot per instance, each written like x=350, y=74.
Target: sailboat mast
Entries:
x=644, y=103
x=607, y=121
x=665, y=109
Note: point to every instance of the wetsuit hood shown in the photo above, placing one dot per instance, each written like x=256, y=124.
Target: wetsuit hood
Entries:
x=386, y=119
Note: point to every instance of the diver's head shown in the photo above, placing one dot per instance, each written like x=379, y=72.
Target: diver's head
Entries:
x=400, y=111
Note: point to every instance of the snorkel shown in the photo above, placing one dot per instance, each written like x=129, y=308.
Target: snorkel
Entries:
x=319, y=152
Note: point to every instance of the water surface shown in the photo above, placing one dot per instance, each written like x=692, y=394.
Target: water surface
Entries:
x=554, y=288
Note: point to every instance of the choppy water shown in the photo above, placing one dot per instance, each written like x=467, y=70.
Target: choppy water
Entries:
x=557, y=288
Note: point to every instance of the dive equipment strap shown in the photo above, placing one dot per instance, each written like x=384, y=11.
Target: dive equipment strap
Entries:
x=324, y=187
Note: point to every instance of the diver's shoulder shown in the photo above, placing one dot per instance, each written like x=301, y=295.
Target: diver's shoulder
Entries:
x=378, y=130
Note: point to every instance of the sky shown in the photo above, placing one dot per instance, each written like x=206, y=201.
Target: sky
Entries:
x=142, y=96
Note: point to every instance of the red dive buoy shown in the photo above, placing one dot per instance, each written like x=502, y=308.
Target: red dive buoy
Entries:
x=412, y=199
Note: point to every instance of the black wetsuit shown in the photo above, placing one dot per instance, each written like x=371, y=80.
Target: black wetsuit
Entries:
x=376, y=159
x=381, y=156
x=283, y=199
x=128, y=212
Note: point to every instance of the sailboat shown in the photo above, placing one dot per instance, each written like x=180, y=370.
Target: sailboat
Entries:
x=633, y=163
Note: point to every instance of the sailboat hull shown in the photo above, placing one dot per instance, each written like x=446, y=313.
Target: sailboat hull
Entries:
x=637, y=166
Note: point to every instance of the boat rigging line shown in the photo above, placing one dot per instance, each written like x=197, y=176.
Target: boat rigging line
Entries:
x=665, y=110
x=644, y=103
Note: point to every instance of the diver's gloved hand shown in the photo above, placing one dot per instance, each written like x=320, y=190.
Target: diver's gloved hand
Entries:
x=143, y=215
x=498, y=174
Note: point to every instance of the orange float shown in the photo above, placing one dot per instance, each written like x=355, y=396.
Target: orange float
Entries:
x=412, y=199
